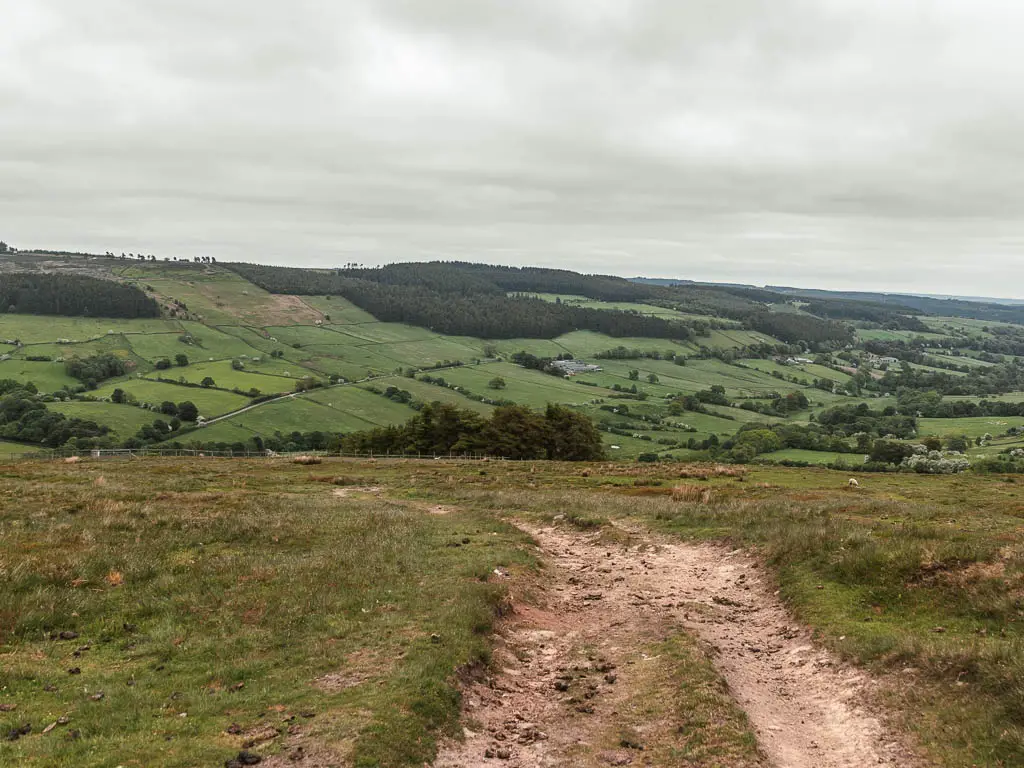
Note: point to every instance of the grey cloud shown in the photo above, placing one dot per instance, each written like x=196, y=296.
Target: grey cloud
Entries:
x=847, y=144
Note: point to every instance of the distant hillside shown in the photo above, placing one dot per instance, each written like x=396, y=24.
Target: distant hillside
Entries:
x=464, y=300
x=943, y=307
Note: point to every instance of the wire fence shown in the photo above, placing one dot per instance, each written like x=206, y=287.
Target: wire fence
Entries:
x=142, y=453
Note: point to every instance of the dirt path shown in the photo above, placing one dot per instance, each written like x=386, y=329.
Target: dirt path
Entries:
x=573, y=674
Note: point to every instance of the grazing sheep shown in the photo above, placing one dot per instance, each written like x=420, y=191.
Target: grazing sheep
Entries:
x=853, y=483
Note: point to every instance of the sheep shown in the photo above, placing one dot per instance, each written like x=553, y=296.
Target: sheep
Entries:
x=853, y=483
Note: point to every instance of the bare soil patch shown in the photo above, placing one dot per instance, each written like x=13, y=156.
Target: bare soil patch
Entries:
x=359, y=668
x=343, y=492
x=576, y=683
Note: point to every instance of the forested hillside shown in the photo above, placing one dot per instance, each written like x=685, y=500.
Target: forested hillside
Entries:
x=73, y=296
x=456, y=302
x=927, y=305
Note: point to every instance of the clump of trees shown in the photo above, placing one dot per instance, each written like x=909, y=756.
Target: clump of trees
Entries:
x=95, y=368
x=74, y=296
x=24, y=417
x=513, y=432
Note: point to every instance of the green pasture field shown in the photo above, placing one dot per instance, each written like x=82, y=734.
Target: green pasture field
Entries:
x=812, y=457
x=307, y=335
x=1006, y=397
x=933, y=369
x=48, y=377
x=973, y=426
x=630, y=447
x=353, y=363
x=879, y=334
x=338, y=311
x=770, y=366
x=967, y=360
x=622, y=306
x=220, y=432
x=9, y=449
x=966, y=325
x=383, y=333
x=216, y=343
x=428, y=352
x=696, y=375
x=338, y=409
x=124, y=420
x=47, y=329
x=429, y=393
x=354, y=358
x=523, y=386
x=116, y=344
x=733, y=339
x=154, y=346
x=210, y=402
x=825, y=400
x=538, y=347
x=356, y=402
x=226, y=377
x=585, y=344
x=258, y=339
x=822, y=372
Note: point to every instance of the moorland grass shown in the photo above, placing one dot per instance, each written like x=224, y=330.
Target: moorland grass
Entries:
x=216, y=593
x=254, y=572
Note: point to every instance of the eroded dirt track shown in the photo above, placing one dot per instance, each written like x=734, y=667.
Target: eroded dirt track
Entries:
x=575, y=674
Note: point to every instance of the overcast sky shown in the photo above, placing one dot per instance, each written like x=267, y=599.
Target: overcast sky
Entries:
x=875, y=144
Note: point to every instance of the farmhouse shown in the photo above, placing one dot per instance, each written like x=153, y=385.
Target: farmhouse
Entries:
x=572, y=367
x=878, y=360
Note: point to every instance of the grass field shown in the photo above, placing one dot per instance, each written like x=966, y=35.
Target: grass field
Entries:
x=226, y=377
x=523, y=386
x=9, y=449
x=48, y=377
x=124, y=420
x=30, y=329
x=429, y=393
x=971, y=426
x=337, y=409
x=1008, y=397
x=812, y=457
x=222, y=602
x=211, y=402
x=875, y=334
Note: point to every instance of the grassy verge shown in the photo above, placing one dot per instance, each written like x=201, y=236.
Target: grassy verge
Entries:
x=214, y=604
